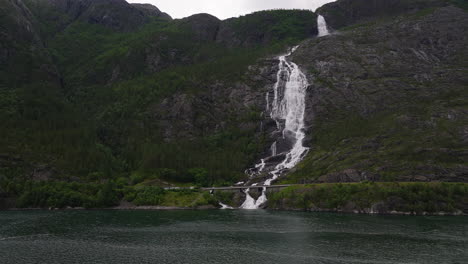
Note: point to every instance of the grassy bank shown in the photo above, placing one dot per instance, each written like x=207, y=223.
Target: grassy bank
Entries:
x=56, y=194
x=416, y=198
x=154, y=196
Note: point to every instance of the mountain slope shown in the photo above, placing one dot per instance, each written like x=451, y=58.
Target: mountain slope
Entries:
x=88, y=97
x=389, y=100
x=347, y=12
x=24, y=59
x=110, y=110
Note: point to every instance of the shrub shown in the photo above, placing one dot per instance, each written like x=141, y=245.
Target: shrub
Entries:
x=149, y=196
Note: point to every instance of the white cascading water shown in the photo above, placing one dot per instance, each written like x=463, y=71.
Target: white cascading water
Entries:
x=322, y=26
x=288, y=105
x=291, y=108
x=225, y=206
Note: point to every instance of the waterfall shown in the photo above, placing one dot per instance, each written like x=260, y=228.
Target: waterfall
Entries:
x=225, y=206
x=322, y=26
x=287, y=109
x=249, y=202
x=273, y=149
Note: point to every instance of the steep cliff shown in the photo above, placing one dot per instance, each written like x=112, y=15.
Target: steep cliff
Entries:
x=347, y=12
x=388, y=100
x=114, y=14
x=23, y=57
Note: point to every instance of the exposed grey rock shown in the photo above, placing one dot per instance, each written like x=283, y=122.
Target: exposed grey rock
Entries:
x=152, y=11
x=43, y=173
x=207, y=112
x=387, y=68
x=21, y=43
x=204, y=26
x=349, y=175
x=347, y=12
x=115, y=14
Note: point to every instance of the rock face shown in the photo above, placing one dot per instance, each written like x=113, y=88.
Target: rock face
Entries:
x=375, y=61
x=23, y=57
x=115, y=14
x=349, y=175
x=347, y=12
x=362, y=75
x=163, y=45
x=184, y=115
x=381, y=99
x=152, y=11
x=360, y=80
x=204, y=26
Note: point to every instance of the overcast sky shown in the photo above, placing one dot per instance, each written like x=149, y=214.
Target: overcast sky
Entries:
x=227, y=8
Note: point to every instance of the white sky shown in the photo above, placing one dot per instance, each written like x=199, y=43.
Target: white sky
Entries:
x=227, y=8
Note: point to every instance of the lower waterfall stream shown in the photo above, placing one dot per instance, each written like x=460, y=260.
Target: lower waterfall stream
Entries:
x=287, y=109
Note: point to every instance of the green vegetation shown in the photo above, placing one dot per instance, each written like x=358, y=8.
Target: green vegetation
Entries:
x=33, y=194
x=55, y=194
x=97, y=123
x=156, y=196
x=275, y=25
x=461, y=3
x=401, y=197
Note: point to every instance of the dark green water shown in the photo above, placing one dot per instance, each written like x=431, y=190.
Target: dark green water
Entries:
x=228, y=237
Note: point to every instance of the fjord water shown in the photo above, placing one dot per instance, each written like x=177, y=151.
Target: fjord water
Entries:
x=232, y=236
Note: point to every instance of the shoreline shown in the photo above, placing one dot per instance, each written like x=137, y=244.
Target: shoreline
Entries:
x=411, y=199
x=117, y=208
x=356, y=212
x=212, y=208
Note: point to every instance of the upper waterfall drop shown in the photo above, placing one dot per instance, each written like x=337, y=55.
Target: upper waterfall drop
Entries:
x=322, y=26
